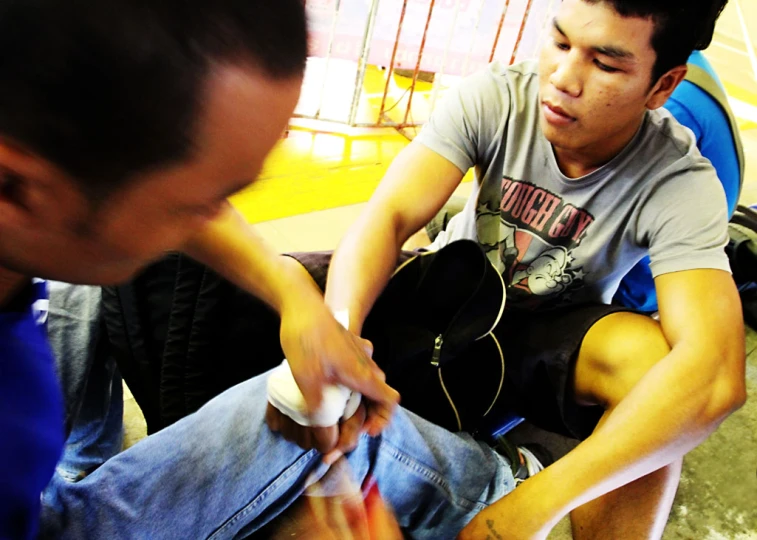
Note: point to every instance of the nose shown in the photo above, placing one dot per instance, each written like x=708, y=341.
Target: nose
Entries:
x=566, y=75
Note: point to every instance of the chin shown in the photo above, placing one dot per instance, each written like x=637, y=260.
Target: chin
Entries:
x=559, y=140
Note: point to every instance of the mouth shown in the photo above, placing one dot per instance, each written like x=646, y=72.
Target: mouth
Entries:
x=556, y=115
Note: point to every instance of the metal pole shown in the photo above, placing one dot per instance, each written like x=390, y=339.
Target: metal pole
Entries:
x=546, y=24
x=440, y=73
x=418, y=63
x=499, y=30
x=363, y=61
x=332, y=33
x=520, y=34
x=391, y=63
x=473, y=41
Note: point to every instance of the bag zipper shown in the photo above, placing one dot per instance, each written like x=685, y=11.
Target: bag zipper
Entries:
x=436, y=355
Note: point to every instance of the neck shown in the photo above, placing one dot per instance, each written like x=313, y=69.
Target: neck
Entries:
x=11, y=283
x=578, y=162
x=575, y=164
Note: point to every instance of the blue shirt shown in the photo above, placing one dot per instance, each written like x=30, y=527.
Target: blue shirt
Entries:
x=31, y=417
x=701, y=113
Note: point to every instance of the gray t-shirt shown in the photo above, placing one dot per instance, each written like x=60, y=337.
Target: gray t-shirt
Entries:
x=558, y=240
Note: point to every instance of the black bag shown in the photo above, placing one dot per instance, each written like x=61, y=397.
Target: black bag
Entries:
x=432, y=334
x=742, y=254
x=182, y=334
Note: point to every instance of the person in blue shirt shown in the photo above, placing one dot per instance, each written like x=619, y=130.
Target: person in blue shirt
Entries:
x=124, y=127
x=700, y=104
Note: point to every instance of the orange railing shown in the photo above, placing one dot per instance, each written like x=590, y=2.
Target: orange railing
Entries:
x=386, y=62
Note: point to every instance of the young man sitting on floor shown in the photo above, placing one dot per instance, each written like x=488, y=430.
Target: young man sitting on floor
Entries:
x=579, y=175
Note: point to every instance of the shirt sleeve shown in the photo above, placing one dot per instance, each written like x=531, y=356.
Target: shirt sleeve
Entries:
x=687, y=220
x=464, y=124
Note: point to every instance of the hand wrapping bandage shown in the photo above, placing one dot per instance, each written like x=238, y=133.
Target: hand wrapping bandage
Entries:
x=339, y=402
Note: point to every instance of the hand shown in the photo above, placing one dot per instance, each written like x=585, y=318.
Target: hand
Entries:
x=321, y=351
x=346, y=515
x=334, y=441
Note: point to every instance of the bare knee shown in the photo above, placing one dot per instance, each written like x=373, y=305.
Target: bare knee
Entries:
x=615, y=354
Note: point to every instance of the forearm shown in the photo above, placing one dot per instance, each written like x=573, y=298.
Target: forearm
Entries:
x=677, y=404
x=231, y=247
x=414, y=188
x=361, y=267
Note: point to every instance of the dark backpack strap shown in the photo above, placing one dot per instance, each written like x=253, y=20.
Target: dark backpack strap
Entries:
x=701, y=78
x=128, y=345
x=193, y=339
x=742, y=245
x=181, y=335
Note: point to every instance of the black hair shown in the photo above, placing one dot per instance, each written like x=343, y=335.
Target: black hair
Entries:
x=681, y=27
x=105, y=89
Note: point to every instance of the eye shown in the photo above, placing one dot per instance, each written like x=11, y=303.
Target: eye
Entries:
x=208, y=211
x=562, y=46
x=605, y=67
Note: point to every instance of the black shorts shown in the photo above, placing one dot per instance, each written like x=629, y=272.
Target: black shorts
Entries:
x=540, y=351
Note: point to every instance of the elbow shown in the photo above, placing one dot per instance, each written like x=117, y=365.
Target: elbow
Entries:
x=728, y=394
x=735, y=381
x=738, y=395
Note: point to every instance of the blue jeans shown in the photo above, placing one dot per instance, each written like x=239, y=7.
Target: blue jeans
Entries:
x=221, y=473
x=91, y=384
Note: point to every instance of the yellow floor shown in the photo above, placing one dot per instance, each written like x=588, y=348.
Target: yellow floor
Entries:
x=321, y=166
x=311, y=171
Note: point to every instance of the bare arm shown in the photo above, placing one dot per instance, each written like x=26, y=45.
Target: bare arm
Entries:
x=687, y=394
x=319, y=350
x=414, y=189
x=232, y=248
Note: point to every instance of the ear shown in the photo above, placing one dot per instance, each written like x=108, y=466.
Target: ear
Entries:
x=31, y=189
x=665, y=86
x=14, y=189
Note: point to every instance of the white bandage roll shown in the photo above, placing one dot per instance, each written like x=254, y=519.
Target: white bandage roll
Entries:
x=338, y=401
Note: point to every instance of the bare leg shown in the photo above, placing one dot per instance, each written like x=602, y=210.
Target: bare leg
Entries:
x=636, y=511
x=615, y=355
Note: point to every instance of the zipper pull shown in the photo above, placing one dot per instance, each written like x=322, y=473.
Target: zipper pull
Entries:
x=438, y=342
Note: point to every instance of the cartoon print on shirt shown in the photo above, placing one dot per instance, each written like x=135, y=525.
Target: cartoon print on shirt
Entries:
x=491, y=236
x=534, y=242
x=546, y=274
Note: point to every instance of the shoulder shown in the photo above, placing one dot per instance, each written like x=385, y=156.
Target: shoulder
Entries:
x=668, y=162
x=666, y=149
x=668, y=135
